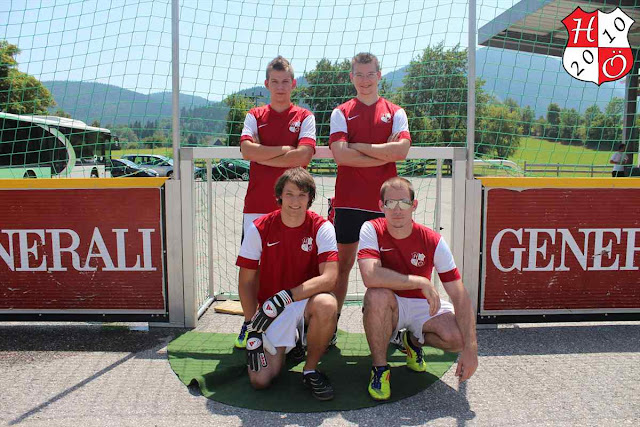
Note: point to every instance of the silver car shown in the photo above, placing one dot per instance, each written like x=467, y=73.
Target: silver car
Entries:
x=161, y=164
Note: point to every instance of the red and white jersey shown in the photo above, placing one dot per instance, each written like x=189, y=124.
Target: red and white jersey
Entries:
x=355, y=122
x=294, y=126
x=417, y=254
x=287, y=256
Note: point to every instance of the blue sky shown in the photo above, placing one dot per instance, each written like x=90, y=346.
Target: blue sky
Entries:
x=224, y=45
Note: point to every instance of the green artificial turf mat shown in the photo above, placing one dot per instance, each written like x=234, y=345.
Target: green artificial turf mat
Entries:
x=221, y=374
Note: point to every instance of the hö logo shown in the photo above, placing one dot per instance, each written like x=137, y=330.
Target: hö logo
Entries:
x=598, y=49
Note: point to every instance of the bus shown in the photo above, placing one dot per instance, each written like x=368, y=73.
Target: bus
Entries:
x=52, y=147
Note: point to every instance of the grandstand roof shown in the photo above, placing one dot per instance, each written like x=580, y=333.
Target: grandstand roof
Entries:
x=536, y=25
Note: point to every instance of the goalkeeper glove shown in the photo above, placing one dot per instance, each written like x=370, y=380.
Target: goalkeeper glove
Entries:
x=270, y=310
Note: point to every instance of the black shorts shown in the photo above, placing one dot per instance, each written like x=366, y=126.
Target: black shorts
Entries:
x=349, y=221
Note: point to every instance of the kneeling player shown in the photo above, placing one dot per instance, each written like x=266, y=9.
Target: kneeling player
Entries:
x=396, y=257
x=295, y=250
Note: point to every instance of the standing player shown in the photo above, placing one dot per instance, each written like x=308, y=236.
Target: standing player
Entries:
x=295, y=250
x=275, y=137
x=396, y=257
x=368, y=135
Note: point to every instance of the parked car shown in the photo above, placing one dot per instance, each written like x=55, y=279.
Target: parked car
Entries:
x=124, y=167
x=161, y=164
x=230, y=169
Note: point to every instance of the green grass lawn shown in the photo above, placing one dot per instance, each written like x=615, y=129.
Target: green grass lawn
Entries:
x=534, y=150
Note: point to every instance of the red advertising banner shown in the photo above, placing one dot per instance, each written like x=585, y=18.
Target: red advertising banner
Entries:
x=561, y=249
x=93, y=250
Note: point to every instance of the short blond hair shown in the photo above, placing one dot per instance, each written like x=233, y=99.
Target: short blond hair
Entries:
x=365, y=58
x=280, y=63
x=397, y=182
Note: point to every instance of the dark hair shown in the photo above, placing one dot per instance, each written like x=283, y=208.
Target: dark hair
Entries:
x=397, y=182
x=301, y=178
x=365, y=58
x=280, y=63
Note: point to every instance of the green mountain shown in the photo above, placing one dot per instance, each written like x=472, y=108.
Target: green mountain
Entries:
x=88, y=101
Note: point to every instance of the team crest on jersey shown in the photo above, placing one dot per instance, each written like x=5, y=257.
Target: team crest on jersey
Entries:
x=386, y=117
x=417, y=259
x=295, y=126
x=307, y=244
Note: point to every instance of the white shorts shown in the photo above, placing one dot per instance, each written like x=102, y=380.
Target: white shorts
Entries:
x=413, y=313
x=284, y=331
x=247, y=219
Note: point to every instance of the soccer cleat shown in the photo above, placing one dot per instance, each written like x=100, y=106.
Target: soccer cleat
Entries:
x=415, y=358
x=319, y=384
x=380, y=383
x=297, y=353
x=241, y=340
x=396, y=341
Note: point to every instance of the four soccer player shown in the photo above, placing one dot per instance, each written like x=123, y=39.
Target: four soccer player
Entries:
x=294, y=266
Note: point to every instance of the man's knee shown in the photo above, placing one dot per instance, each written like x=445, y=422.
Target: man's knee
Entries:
x=346, y=257
x=260, y=382
x=323, y=307
x=378, y=299
x=450, y=334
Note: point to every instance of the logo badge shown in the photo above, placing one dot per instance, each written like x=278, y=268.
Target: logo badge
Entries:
x=269, y=244
x=385, y=249
x=307, y=244
x=295, y=126
x=351, y=118
x=386, y=117
x=598, y=48
x=417, y=259
x=269, y=309
x=253, y=343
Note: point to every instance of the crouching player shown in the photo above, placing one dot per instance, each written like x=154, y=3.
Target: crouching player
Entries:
x=297, y=257
x=396, y=257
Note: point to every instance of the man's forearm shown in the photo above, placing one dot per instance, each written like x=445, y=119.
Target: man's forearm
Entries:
x=258, y=153
x=248, y=292
x=290, y=159
x=354, y=158
x=389, y=151
x=381, y=277
x=466, y=321
x=325, y=282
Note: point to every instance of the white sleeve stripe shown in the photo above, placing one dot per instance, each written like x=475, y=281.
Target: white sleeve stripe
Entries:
x=338, y=122
x=308, y=128
x=443, y=258
x=250, y=125
x=368, y=237
x=252, y=244
x=400, y=121
x=326, y=238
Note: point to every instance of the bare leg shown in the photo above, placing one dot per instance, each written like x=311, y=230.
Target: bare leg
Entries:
x=321, y=314
x=443, y=332
x=380, y=320
x=346, y=258
x=264, y=377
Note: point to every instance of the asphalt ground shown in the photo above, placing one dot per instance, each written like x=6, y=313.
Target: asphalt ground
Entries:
x=57, y=374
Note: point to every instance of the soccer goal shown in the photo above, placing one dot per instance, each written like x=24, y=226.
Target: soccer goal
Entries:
x=212, y=211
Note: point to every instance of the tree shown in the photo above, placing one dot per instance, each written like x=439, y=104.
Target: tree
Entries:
x=527, y=118
x=328, y=85
x=435, y=87
x=498, y=131
x=20, y=93
x=238, y=105
x=61, y=113
x=553, y=122
x=569, y=128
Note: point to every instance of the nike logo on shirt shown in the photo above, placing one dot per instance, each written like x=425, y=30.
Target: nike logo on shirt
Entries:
x=351, y=118
x=386, y=249
x=274, y=243
x=261, y=126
